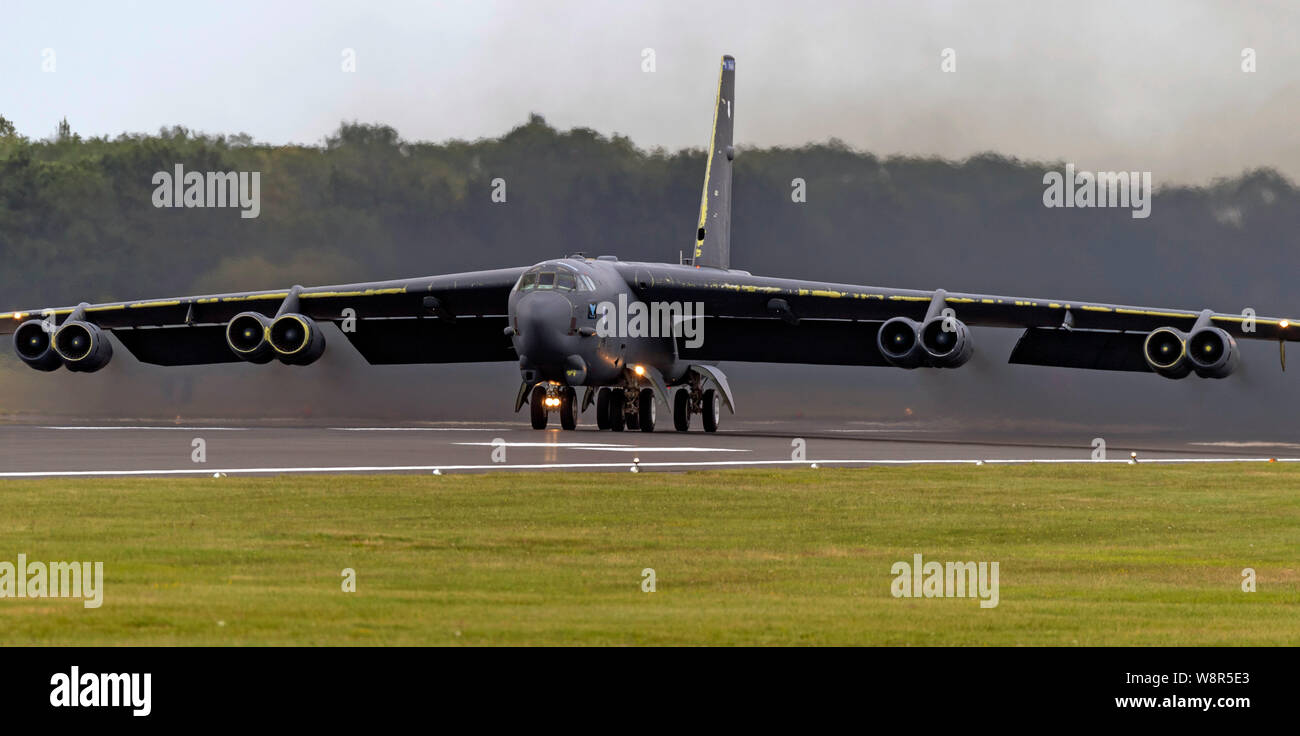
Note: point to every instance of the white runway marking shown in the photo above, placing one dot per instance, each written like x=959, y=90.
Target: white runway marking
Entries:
x=581, y=466
x=602, y=446
x=545, y=444
x=413, y=429
x=185, y=429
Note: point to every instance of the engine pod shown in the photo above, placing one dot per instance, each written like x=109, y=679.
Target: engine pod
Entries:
x=1165, y=350
x=1212, y=352
x=946, y=341
x=296, y=340
x=246, y=334
x=899, y=343
x=35, y=346
x=83, y=347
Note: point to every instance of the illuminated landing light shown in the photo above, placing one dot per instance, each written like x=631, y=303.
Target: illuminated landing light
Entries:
x=19, y=315
x=551, y=401
x=1284, y=324
x=639, y=370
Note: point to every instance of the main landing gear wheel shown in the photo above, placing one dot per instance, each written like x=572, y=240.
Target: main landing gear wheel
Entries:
x=712, y=410
x=568, y=397
x=602, y=408
x=682, y=410
x=537, y=403
x=633, y=420
x=646, y=411
x=617, y=404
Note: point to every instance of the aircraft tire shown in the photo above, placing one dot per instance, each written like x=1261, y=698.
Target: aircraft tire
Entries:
x=602, y=408
x=682, y=410
x=568, y=417
x=712, y=411
x=617, y=400
x=538, y=407
x=646, y=411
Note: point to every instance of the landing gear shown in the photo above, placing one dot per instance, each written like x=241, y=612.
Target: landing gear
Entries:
x=682, y=410
x=712, y=410
x=617, y=409
x=568, y=397
x=646, y=411
x=602, y=409
x=537, y=403
x=547, y=397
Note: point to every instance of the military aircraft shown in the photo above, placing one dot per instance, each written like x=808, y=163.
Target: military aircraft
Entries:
x=636, y=335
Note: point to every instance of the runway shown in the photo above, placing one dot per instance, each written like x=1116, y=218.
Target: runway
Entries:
x=106, y=449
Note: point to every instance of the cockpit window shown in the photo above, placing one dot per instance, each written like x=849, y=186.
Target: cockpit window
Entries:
x=561, y=279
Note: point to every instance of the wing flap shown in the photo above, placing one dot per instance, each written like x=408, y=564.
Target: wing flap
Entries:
x=175, y=346
x=432, y=340
x=1096, y=350
x=820, y=342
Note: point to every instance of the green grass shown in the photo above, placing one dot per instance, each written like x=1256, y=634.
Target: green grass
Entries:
x=1089, y=555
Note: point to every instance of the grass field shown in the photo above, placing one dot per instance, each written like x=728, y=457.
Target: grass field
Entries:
x=1088, y=555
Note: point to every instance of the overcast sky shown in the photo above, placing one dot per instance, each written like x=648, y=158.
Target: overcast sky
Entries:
x=1127, y=85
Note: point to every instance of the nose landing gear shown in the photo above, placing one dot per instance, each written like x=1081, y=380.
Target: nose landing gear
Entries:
x=549, y=397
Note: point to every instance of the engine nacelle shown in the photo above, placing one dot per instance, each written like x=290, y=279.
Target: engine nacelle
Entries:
x=899, y=342
x=247, y=337
x=296, y=339
x=1165, y=350
x=35, y=346
x=1213, y=352
x=83, y=346
x=946, y=342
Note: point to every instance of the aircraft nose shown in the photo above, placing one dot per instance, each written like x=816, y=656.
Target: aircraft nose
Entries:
x=544, y=320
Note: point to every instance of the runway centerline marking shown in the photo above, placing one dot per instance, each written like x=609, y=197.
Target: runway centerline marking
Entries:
x=172, y=428
x=413, y=429
x=601, y=446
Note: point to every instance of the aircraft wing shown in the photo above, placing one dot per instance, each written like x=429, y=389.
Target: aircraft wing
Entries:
x=438, y=319
x=754, y=318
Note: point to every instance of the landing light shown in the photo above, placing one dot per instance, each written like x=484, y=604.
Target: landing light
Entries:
x=1284, y=324
x=639, y=370
x=551, y=401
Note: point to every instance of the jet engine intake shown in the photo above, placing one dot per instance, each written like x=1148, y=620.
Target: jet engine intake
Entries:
x=946, y=341
x=35, y=347
x=83, y=346
x=296, y=340
x=899, y=343
x=1212, y=352
x=1165, y=350
x=246, y=336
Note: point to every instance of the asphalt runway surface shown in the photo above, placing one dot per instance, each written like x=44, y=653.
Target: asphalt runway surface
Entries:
x=90, y=448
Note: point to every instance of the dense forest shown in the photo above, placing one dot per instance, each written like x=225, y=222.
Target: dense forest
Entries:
x=77, y=222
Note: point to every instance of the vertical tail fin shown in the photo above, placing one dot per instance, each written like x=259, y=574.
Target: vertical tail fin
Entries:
x=713, y=236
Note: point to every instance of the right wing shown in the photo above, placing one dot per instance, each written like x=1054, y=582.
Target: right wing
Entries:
x=762, y=319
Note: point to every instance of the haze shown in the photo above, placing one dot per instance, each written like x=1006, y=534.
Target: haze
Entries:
x=1152, y=86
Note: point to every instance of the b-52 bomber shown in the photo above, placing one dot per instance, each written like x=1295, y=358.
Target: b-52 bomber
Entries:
x=636, y=335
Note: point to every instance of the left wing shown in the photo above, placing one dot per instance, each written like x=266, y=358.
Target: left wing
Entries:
x=438, y=319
